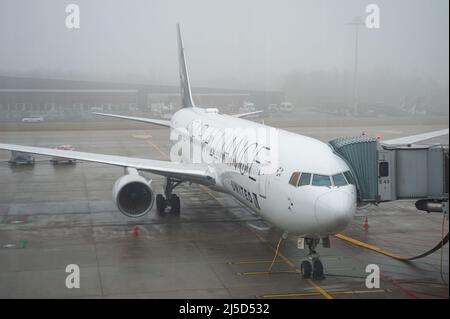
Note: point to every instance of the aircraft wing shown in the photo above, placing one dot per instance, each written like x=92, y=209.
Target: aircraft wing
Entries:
x=197, y=173
x=415, y=138
x=139, y=119
x=246, y=114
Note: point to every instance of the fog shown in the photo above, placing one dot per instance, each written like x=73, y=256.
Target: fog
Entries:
x=304, y=48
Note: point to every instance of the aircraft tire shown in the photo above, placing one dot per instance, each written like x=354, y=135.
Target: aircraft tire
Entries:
x=175, y=201
x=306, y=269
x=160, y=204
x=317, y=270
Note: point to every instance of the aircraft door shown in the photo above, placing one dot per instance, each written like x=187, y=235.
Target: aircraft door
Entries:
x=262, y=183
x=260, y=167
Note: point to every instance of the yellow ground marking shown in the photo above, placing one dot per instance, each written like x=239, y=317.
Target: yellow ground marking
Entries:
x=255, y=273
x=311, y=294
x=280, y=254
x=285, y=259
x=368, y=246
x=243, y=262
x=292, y=265
x=157, y=148
x=143, y=136
x=319, y=289
x=212, y=195
x=251, y=262
x=276, y=254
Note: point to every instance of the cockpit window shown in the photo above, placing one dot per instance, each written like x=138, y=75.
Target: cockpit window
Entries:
x=349, y=177
x=339, y=180
x=321, y=180
x=294, y=179
x=305, y=179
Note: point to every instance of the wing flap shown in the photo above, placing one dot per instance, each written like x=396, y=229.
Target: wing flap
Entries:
x=198, y=173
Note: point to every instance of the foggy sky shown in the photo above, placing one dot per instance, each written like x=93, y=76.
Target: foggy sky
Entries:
x=229, y=43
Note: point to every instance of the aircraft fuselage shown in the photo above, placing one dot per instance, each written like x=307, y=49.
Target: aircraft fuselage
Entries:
x=257, y=170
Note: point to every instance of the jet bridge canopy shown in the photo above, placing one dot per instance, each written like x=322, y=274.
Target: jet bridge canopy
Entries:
x=392, y=172
x=360, y=153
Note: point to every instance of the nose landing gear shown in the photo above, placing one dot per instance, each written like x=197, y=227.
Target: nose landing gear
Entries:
x=313, y=267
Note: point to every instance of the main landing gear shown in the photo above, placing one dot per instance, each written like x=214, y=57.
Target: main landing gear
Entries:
x=313, y=267
x=169, y=200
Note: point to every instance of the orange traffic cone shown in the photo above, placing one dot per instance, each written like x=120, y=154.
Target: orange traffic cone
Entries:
x=136, y=232
x=366, y=224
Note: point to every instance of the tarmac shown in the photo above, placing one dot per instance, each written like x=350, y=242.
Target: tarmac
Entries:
x=55, y=215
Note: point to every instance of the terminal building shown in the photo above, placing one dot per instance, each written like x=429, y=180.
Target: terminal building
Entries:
x=57, y=99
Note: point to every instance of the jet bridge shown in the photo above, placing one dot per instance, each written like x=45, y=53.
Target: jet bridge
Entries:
x=393, y=172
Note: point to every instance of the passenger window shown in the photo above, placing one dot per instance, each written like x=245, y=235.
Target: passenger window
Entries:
x=348, y=175
x=294, y=178
x=339, y=180
x=305, y=179
x=321, y=180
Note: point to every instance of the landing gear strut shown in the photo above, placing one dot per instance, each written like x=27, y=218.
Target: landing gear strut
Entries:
x=312, y=267
x=169, y=199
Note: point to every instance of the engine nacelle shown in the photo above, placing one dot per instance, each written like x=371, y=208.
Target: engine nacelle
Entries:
x=133, y=195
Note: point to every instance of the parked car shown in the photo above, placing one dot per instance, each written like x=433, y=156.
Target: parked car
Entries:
x=33, y=119
x=21, y=158
x=56, y=160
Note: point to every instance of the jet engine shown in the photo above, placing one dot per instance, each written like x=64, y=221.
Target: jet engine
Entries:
x=133, y=195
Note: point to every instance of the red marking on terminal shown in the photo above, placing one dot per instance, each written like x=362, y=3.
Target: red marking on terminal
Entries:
x=136, y=232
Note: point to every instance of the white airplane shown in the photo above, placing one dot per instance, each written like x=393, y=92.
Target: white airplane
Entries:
x=296, y=183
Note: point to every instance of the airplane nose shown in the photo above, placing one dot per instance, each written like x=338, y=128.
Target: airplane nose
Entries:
x=334, y=210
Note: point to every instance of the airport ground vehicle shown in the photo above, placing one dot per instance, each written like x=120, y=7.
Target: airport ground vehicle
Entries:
x=21, y=158
x=57, y=159
x=282, y=107
x=33, y=119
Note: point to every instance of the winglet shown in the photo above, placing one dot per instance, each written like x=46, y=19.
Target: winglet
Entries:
x=185, y=87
